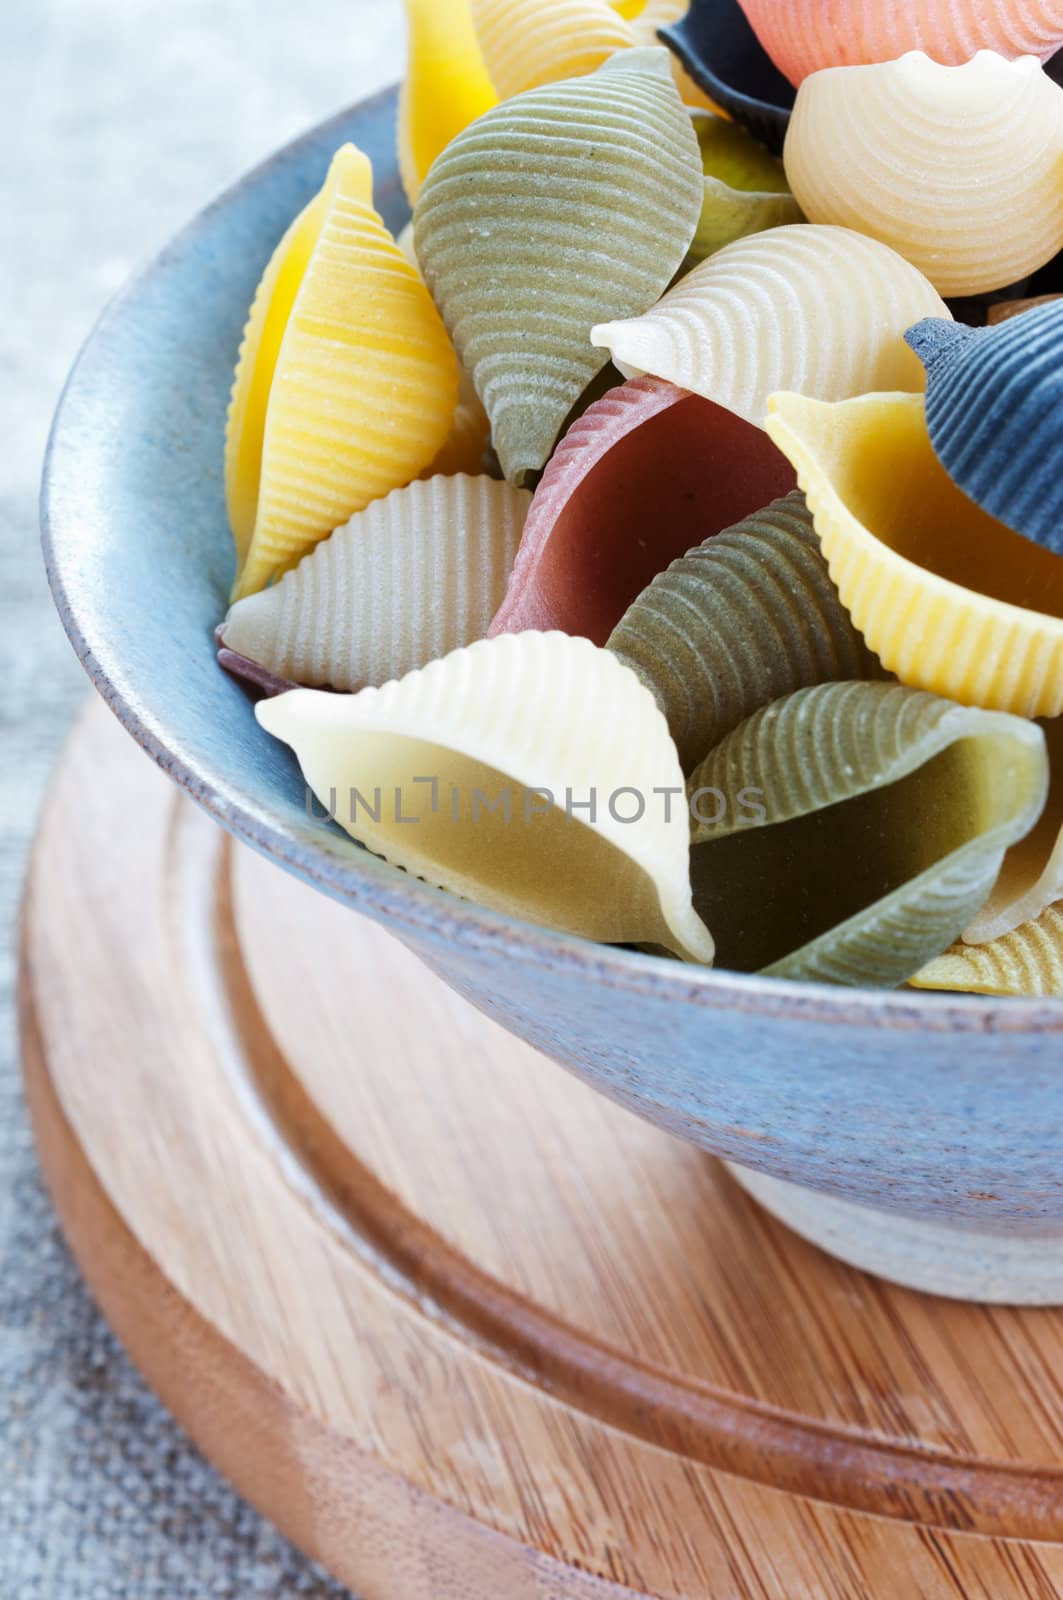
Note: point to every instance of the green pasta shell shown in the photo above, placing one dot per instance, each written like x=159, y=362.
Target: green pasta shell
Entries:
x=565, y=207
x=849, y=832
x=745, y=187
x=727, y=215
x=748, y=616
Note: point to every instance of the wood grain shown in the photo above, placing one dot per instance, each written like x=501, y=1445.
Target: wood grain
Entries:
x=457, y=1324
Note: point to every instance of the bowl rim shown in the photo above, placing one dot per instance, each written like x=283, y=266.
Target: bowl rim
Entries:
x=373, y=886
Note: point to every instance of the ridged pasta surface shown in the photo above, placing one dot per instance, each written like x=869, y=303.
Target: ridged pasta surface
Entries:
x=645, y=472
x=994, y=412
x=1028, y=961
x=948, y=598
x=883, y=818
x=803, y=36
x=957, y=168
x=467, y=443
x=346, y=382
x=553, y=723
x=747, y=617
x=820, y=310
x=528, y=43
x=412, y=577
x=555, y=209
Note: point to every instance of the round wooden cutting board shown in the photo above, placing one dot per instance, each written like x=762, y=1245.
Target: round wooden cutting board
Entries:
x=461, y=1328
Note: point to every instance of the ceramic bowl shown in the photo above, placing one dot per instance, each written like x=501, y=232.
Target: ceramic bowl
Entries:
x=918, y=1135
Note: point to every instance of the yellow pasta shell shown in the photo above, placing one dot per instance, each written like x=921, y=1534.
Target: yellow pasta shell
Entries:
x=817, y=309
x=948, y=598
x=528, y=43
x=446, y=85
x=959, y=168
x=649, y=15
x=346, y=383
x=1028, y=961
x=466, y=444
x=470, y=429
x=1031, y=878
x=549, y=721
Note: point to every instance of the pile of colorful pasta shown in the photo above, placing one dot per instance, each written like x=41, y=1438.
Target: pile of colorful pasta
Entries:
x=665, y=532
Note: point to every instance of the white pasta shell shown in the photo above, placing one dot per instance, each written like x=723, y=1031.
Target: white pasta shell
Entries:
x=551, y=722
x=959, y=168
x=410, y=578
x=821, y=311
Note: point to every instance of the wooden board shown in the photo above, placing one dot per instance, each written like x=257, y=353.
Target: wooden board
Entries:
x=459, y=1326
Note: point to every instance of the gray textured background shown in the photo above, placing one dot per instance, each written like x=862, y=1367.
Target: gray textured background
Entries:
x=118, y=120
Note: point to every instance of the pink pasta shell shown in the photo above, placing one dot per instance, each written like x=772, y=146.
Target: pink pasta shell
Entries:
x=646, y=473
x=802, y=36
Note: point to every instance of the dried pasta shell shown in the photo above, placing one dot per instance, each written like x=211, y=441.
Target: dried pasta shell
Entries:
x=256, y=679
x=645, y=473
x=728, y=214
x=747, y=617
x=745, y=187
x=528, y=43
x=994, y=412
x=689, y=92
x=804, y=36
x=647, y=18
x=553, y=207
x=346, y=382
x=446, y=85
x=733, y=156
x=1004, y=310
x=948, y=598
x=957, y=168
x=404, y=241
x=816, y=309
x=469, y=438
x=1028, y=961
x=715, y=44
x=1031, y=878
x=550, y=721
x=410, y=578
x=862, y=826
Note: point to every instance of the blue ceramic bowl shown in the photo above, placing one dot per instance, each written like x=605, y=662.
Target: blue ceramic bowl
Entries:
x=938, y=1119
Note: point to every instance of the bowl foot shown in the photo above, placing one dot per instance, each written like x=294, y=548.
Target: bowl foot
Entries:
x=944, y=1258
